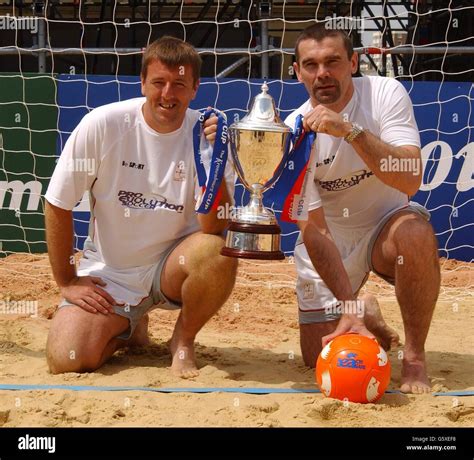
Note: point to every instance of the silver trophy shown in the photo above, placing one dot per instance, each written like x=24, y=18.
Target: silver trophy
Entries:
x=258, y=144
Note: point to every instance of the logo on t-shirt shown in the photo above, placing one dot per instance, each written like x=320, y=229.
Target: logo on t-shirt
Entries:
x=346, y=182
x=132, y=164
x=326, y=161
x=136, y=200
x=180, y=172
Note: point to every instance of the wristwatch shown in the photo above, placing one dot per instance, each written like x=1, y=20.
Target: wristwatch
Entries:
x=354, y=132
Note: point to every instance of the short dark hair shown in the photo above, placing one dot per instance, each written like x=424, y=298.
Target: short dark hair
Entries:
x=318, y=32
x=172, y=52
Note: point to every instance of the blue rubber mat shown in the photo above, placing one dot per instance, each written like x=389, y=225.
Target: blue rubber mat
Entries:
x=159, y=390
x=257, y=391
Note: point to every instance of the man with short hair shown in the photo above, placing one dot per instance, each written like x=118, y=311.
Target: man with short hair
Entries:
x=147, y=247
x=360, y=219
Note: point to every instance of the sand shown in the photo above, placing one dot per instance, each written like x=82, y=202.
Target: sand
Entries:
x=252, y=342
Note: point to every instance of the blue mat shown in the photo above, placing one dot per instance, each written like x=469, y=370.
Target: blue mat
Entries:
x=159, y=390
x=256, y=391
x=455, y=393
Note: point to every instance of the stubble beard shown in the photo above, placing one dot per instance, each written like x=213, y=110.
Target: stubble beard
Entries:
x=327, y=96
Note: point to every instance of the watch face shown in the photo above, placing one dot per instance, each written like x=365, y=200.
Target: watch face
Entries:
x=355, y=131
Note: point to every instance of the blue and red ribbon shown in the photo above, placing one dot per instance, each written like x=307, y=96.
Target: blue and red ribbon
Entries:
x=290, y=184
x=210, y=173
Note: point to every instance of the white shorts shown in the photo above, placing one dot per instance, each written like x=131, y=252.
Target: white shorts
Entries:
x=316, y=302
x=155, y=299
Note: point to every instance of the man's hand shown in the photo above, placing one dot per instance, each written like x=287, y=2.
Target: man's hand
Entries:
x=84, y=291
x=348, y=323
x=323, y=120
x=210, y=128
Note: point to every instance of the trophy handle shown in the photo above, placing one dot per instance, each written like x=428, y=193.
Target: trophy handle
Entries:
x=235, y=158
x=287, y=152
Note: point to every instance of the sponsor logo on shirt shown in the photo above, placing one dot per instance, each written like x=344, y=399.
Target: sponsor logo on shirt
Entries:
x=180, y=172
x=136, y=200
x=132, y=164
x=346, y=182
x=326, y=161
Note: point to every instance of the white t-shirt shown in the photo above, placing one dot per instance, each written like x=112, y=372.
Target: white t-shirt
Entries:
x=350, y=193
x=143, y=187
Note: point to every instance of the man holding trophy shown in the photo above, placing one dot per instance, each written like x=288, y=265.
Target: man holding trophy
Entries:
x=147, y=247
x=354, y=214
x=360, y=218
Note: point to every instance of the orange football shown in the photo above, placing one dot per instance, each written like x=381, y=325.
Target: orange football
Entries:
x=353, y=368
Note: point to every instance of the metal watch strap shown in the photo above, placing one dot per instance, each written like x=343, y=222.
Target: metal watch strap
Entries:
x=355, y=131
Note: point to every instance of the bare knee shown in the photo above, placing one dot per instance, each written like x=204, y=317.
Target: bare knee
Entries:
x=415, y=237
x=60, y=364
x=208, y=255
x=77, y=339
x=62, y=358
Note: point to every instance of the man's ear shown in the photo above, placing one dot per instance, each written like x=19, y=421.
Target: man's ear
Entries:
x=196, y=87
x=354, y=62
x=142, y=80
x=296, y=68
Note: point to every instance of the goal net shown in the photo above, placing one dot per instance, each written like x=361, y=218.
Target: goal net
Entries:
x=59, y=60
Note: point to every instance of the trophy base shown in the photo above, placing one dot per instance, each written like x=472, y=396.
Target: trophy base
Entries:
x=253, y=241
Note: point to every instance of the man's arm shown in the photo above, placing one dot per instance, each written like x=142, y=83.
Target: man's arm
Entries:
x=328, y=263
x=216, y=220
x=59, y=238
x=377, y=154
x=81, y=291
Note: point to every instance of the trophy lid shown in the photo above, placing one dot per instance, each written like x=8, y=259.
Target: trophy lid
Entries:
x=263, y=115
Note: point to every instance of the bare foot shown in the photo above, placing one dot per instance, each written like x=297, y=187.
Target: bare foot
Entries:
x=414, y=377
x=184, y=360
x=140, y=335
x=373, y=319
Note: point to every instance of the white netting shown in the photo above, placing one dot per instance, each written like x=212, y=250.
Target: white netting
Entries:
x=89, y=54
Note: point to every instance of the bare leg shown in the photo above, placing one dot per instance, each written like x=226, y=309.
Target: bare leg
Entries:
x=311, y=334
x=406, y=249
x=373, y=319
x=198, y=276
x=79, y=341
x=140, y=336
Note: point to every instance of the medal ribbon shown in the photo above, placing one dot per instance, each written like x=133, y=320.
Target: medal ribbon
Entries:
x=288, y=193
x=210, y=167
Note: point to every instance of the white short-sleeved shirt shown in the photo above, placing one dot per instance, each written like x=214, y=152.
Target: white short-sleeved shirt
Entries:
x=143, y=188
x=350, y=193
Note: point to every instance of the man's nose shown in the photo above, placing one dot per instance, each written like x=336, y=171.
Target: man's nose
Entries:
x=322, y=71
x=167, y=91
